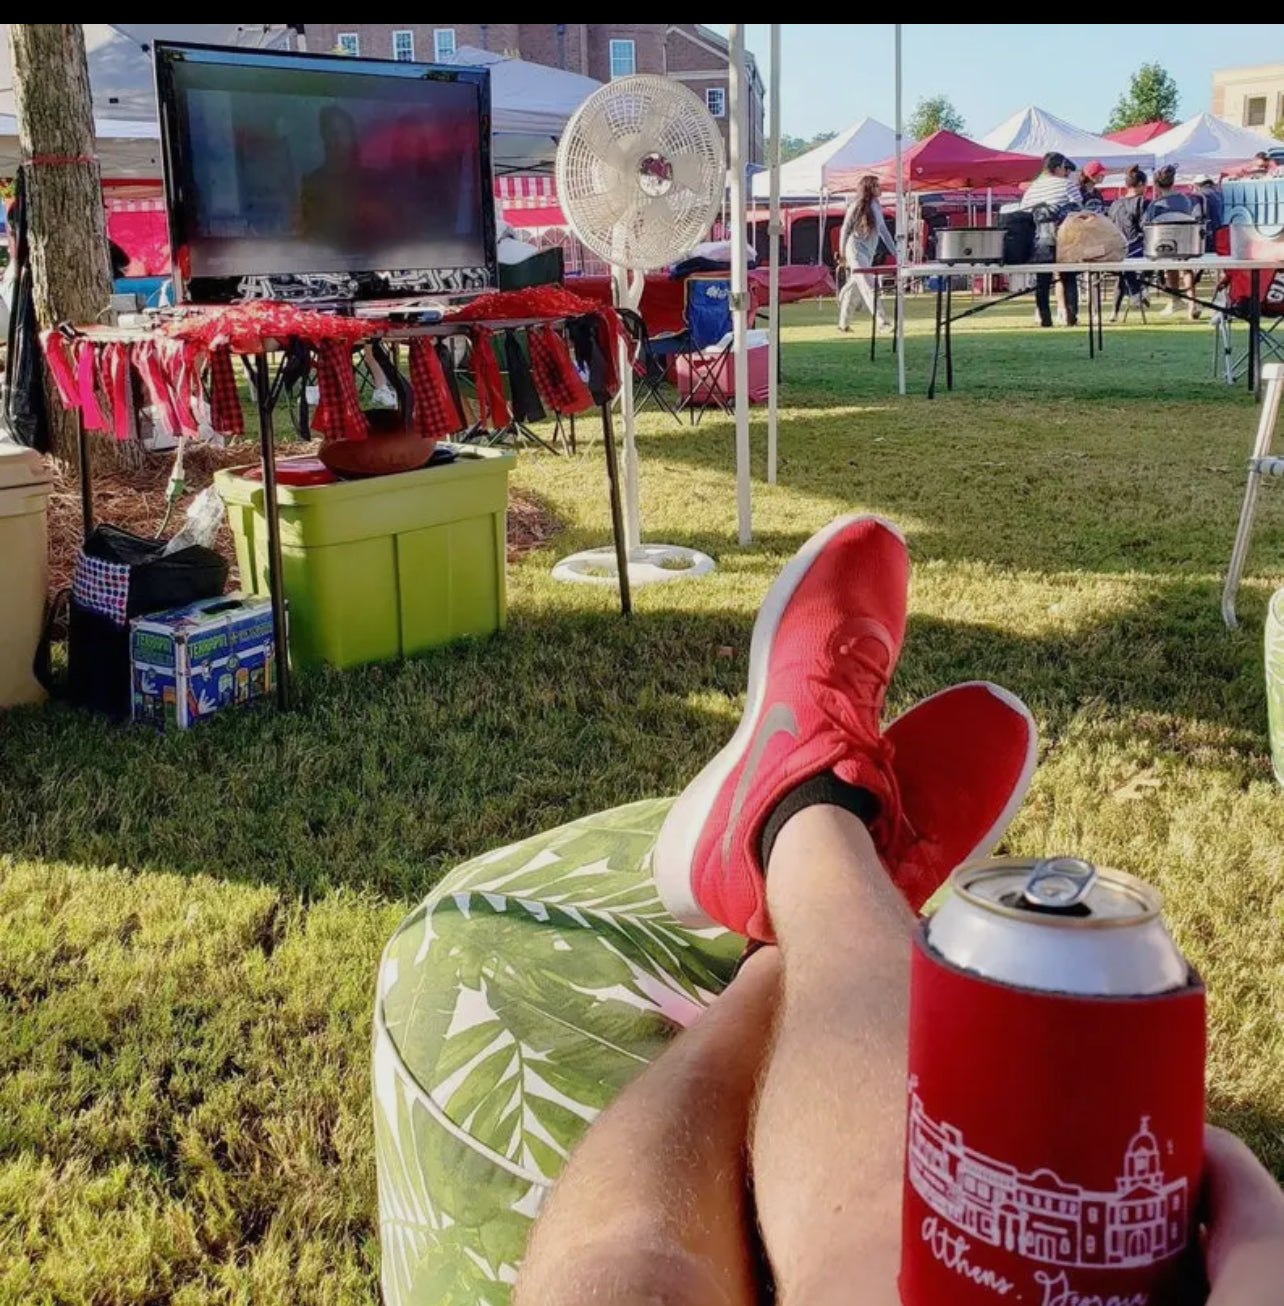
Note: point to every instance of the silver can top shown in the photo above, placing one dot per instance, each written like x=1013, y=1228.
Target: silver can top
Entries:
x=1057, y=924
x=1066, y=891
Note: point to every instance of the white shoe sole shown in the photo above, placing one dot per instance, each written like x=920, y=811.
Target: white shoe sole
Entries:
x=985, y=845
x=675, y=848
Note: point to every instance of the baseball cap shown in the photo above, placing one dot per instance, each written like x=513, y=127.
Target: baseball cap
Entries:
x=1093, y=169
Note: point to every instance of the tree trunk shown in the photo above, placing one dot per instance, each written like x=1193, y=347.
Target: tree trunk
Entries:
x=67, y=227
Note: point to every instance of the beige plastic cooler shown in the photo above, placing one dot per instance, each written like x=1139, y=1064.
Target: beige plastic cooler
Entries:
x=24, y=569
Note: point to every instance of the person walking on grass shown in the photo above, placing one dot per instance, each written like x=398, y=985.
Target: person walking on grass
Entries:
x=1171, y=205
x=1126, y=214
x=763, y=1149
x=864, y=229
x=1048, y=198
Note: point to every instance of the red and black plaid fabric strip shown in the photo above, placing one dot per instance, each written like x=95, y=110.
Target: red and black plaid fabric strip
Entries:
x=491, y=401
x=436, y=416
x=556, y=379
x=226, y=416
x=338, y=412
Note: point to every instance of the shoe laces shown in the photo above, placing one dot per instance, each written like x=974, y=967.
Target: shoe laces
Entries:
x=850, y=695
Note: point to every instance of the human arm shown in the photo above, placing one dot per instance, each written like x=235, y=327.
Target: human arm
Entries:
x=880, y=226
x=849, y=224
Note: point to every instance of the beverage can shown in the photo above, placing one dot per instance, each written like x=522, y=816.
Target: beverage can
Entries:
x=1056, y=1101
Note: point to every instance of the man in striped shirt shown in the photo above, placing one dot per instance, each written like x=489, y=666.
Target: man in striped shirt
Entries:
x=1055, y=188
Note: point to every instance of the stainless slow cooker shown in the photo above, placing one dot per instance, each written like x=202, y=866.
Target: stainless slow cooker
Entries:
x=1174, y=239
x=970, y=245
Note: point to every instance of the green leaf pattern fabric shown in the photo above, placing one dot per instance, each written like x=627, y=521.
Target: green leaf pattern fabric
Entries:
x=1275, y=681
x=514, y=1003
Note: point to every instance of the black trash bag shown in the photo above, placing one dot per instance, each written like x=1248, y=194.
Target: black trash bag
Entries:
x=133, y=577
x=24, y=398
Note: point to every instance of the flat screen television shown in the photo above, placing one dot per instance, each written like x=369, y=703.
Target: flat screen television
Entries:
x=324, y=177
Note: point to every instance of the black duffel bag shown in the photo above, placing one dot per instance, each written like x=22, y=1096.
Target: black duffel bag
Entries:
x=120, y=576
x=1018, y=236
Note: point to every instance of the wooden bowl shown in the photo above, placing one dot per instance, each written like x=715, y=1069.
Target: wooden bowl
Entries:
x=382, y=453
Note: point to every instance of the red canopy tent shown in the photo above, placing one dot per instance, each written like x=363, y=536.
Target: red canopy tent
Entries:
x=946, y=161
x=1141, y=133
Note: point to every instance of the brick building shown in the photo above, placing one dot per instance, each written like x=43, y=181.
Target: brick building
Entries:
x=688, y=52
x=1251, y=97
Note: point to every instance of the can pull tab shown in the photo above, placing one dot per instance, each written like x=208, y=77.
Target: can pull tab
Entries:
x=1059, y=884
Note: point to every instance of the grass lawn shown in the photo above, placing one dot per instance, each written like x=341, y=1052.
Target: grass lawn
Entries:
x=190, y=925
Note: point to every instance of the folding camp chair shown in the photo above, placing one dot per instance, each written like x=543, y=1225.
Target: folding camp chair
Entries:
x=707, y=311
x=1233, y=293
x=651, y=370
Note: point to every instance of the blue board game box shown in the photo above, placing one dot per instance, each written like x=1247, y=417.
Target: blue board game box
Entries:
x=188, y=663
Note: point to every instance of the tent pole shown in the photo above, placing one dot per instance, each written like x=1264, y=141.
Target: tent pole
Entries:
x=773, y=246
x=739, y=276
x=902, y=245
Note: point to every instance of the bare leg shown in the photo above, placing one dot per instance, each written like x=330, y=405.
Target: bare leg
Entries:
x=653, y=1206
x=828, y=1135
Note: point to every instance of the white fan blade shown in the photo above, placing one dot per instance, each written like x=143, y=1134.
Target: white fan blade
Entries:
x=691, y=172
x=600, y=140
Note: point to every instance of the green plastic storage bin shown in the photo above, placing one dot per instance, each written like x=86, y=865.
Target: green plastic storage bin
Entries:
x=386, y=566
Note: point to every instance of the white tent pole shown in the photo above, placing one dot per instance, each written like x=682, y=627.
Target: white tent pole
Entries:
x=902, y=245
x=773, y=245
x=740, y=276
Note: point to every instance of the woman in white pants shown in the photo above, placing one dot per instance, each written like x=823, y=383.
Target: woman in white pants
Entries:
x=863, y=230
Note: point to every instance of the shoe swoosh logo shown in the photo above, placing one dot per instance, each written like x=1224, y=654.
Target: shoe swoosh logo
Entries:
x=778, y=719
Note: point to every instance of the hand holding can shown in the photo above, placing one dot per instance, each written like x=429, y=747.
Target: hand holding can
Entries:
x=1056, y=1101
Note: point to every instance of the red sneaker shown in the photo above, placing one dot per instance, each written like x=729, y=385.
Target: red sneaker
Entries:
x=824, y=647
x=963, y=760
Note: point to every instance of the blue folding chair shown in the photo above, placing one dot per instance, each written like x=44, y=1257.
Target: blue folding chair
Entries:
x=707, y=313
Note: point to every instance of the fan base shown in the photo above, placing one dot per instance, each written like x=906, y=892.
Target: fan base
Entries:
x=648, y=565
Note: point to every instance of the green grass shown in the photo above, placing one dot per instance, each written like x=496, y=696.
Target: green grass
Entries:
x=190, y=925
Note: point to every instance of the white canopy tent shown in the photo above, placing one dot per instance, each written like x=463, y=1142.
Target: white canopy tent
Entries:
x=1035, y=131
x=866, y=141
x=530, y=104
x=1207, y=144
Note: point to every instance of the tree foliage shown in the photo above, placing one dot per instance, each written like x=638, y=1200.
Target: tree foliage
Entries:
x=934, y=113
x=1152, y=96
x=792, y=146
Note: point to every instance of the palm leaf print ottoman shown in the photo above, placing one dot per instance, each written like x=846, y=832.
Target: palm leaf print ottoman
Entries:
x=513, y=1004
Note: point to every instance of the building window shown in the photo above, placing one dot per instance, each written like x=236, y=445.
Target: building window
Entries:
x=403, y=45
x=715, y=99
x=624, y=60
x=348, y=43
x=443, y=43
x=1090, y=1244
x=1255, y=111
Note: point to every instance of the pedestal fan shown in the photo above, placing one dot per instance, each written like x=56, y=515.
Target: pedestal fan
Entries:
x=640, y=174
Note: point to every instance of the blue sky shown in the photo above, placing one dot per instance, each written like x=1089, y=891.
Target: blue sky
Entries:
x=835, y=74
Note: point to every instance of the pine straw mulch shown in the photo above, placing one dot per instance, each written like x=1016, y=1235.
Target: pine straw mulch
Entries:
x=134, y=500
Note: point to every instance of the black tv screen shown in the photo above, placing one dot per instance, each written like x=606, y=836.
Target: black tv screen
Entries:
x=324, y=177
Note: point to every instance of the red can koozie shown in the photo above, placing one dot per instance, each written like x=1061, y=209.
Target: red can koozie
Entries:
x=1054, y=1142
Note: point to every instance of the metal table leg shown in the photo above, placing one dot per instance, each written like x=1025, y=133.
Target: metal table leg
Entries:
x=1254, y=328
x=86, y=474
x=1092, y=326
x=276, y=584
x=617, y=509
x=936, y=344
x=1099, y=279
x=873, y=323
x=949, y=334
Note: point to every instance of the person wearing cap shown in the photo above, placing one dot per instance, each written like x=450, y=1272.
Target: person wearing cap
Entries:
x=1171, y=205
x=1089, y=177
x=1056, y=192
